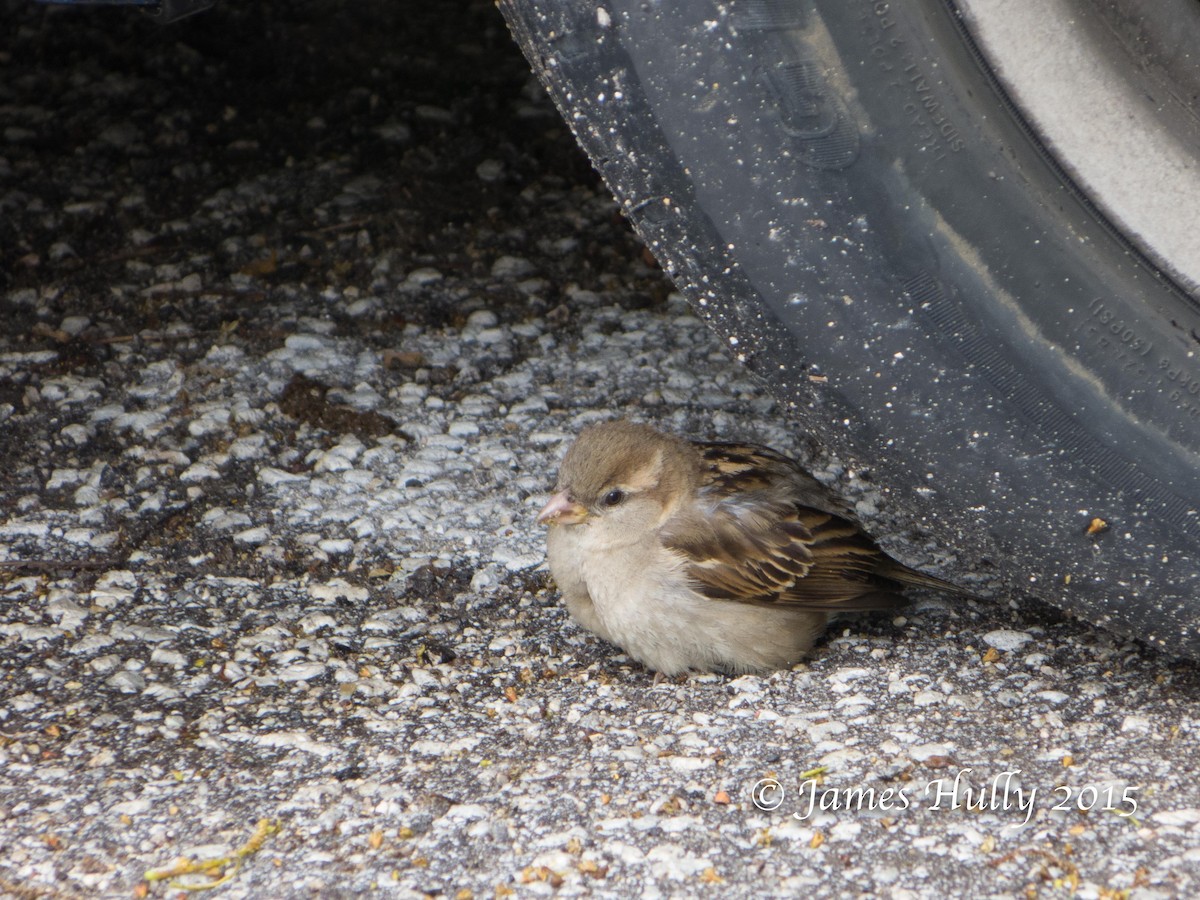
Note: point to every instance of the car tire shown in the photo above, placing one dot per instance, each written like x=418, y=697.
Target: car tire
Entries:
x=851, y=195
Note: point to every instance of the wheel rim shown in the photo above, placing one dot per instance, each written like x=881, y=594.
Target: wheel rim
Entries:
x=1110, y=87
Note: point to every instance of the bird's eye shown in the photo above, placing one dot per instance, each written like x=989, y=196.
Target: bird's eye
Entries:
x=613, y=497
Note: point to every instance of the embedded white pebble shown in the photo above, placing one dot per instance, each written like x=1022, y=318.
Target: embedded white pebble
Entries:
x=24, y=528
x=481, y=319
x=1055, y=698
x=492, y=336
x=531, y=406
x=272, y=476
x=511, y=267
x=61, y=478
x=90, y=643
x=144, y=422
x=517, y=561
x=150, y=634
x=88, y=538
x=1185, y=818
x=242, y=413
x=338, y=588
x=335, y=460
x=136, y=807
x=675, y=863
x=77, y=434
x=1137, y=724
x=364, y=396
x=823, y=731
x=687, y=765
x=423, y=276
x=301, y=671
x=252, y=446
x=199, y=471
x=847, y=675
x=295, y=740
x=307, y=343
x=167, y=657
x=74, y=325
x=225, y=355
x=160, y=380
x=923, y=752
x=113, y=587
x=30, y=633
x=549, y=437
x=221, y=519
x=66, y=611
x=1007, y=639
x=314, y=622
x=360, y=478
x=210, y=420
x=126, y=682
x=411, y=393
x=253, y=536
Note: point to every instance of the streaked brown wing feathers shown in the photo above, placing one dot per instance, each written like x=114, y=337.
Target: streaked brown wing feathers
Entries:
x=742, y=543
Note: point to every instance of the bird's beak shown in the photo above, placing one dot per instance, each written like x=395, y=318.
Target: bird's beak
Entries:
x=562, y=510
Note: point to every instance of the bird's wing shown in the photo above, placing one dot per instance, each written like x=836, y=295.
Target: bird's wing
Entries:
x=734, y=469
x=749, y=538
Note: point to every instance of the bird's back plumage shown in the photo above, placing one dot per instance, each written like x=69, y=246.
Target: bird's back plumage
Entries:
x=765, y=531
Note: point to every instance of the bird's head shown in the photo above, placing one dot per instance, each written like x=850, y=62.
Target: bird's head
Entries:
x=622, y=478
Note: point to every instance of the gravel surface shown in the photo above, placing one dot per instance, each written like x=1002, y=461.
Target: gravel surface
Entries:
x=301, y=304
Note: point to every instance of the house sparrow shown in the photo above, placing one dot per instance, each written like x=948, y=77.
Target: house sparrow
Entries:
x=692, y=555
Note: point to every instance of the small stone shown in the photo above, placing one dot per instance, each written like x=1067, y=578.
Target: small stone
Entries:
x=1007, y=640
x=490, y=170
x=126, y=682
x=512, y=267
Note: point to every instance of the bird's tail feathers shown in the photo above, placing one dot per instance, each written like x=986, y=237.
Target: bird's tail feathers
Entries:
x=912, y=578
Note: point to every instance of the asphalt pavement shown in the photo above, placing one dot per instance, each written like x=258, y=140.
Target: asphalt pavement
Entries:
x=301, y=305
